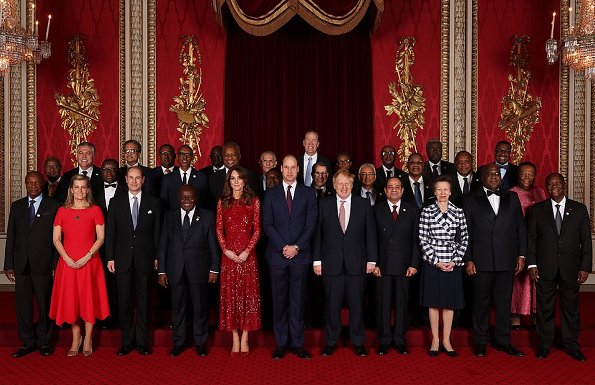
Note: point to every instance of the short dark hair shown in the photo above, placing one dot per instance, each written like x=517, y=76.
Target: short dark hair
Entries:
x=135, y=142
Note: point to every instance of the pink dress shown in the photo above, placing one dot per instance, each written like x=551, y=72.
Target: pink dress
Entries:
x=238, y=229
x=79, y=293
x=523, y=291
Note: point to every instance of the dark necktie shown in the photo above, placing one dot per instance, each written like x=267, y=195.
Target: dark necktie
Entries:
x=84, y=172
x=369, y=197
x=558, y=219
x=289, y=200
x=504, y=166
x=389, y=174
x=184, y=179
x=319, y=193
x=32, y=211
x=186, y=225
x=465, y=185
x=395, y=213
x=114, y=185
x=167, y=171
x=418, y=198
x=495, y=192
x=435, y=171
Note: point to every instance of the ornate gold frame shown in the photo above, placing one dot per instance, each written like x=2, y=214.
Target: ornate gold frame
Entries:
x=444, y=75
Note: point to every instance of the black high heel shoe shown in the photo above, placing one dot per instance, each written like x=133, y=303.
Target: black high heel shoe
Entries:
x=450, y=353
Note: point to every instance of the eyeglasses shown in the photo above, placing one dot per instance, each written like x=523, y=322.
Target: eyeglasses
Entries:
x=344, y=161
x=321, y=173
x=108, y=169
x=493, y=173
x=267, y=161
x=366, y=174
x=130, y=150
x=166, y=153
x=387, y=153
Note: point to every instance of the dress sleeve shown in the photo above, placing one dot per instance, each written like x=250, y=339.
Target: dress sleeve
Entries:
x=220, y=233
x=425, y=238
x=256, y=229
x=58, y=218
x=98, y=216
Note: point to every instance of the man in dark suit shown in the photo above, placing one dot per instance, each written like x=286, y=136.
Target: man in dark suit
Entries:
x=387, y=169
x=53, y=172
x=345, y=251
x=463, y=179
x=559, y=257
x=216, y=157
x=231, y=157
x=417, y=189
x=509, y=173
x=320, y=180
x=189, y=257
x=366, y=186
x=167, y=157
x=496, y=252
x=185, y=174
x=435, y=166
x=29, y=259
x=132, y=150
x=398, y=260
x=132, y=233
x=110, y=187
x=309, y=158
x=85, y=152
x=289, y=214
x=268, y=161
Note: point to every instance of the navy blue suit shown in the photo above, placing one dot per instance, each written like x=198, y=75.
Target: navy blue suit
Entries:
x=289, y=276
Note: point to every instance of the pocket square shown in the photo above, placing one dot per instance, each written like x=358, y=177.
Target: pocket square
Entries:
x=196, y=218
x=150, y=212
x=38, y=215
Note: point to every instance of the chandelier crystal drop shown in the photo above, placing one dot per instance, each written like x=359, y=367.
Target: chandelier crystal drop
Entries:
x=578, y=48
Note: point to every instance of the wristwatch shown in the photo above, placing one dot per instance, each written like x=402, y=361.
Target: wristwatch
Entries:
x=297, y=248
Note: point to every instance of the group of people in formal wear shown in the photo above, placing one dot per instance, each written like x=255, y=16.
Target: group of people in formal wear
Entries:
x=292, y=245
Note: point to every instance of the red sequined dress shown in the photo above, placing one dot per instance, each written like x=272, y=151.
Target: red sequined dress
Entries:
x=238, y=229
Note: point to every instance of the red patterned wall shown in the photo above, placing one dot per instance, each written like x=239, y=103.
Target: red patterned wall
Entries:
x=99, y=21
x=498, y=21
x=174, y=20
x=421, y=19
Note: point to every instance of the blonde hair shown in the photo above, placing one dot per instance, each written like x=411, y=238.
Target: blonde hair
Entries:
x=70, y=198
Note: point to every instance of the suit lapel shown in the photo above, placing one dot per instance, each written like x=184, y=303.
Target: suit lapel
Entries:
x=485, y=206
x=142, y=210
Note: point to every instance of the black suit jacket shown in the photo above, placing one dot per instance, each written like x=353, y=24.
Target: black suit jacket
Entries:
x=128, y=247
x=350, y=252
x=495, y=241
x=320, y=159
x=446, y=168
x=511, y=178
x=456, y=196
x=62, y=190
x=33, y=242
x=398, y=246
x=172, y=182
x=198, y=253
x=380, y=182
x=99, y=195
x=409, y=196
x=567, y=253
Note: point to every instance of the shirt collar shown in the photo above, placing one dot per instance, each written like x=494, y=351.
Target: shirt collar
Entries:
x=130, y=195
x=390, y=204
x=292, y=185
x=562, y=203
x=347, y=200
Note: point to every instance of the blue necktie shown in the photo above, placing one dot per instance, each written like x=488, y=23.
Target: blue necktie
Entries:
x=134, y=212
x=417, y=191
x=31, y=211
x=308, y=179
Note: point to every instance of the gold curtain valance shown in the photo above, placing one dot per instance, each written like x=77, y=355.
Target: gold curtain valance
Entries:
x=332, y=17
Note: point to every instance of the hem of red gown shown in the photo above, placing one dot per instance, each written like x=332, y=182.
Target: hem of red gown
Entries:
x=70, y=322
x=247, y=328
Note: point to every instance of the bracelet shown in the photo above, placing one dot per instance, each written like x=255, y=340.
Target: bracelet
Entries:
x=92, y=253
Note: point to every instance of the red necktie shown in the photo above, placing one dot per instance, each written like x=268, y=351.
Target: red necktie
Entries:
x=394, y=212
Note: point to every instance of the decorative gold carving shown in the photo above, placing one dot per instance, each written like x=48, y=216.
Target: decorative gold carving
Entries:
x=122, y=67
x=520, y=109
x=444, y=74
x=474, y=75
x=2, y=158
x=408, y=102
x=151, y=82
x=80, y=109
x=190, y=105
x=459, y=86
x=16, y=165
x=31, y=102
x=564, y=94
x=579, y=135
x=136, y=72
x=592, y=159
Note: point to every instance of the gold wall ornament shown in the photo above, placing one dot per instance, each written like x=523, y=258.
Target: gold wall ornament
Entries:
x=408, y=102
x=80, y=109
x=520, y=109
x=190, y=105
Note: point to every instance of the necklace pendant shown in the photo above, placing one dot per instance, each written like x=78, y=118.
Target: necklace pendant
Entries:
x=76, y=218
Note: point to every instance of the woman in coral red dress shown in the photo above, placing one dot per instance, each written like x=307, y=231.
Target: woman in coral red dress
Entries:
x=79, y=285
x=523, y=291
x=238, y=230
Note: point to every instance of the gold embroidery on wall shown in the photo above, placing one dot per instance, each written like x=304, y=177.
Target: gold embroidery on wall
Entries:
x=80, y=109
x=520, y=109
x=408, y=102
x=190, y=105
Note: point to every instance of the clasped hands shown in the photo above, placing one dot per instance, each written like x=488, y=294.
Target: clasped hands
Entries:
x=236, y=258
x=77, y=264
x=446, y=266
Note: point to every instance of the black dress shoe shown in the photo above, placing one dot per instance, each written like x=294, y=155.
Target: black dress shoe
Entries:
x=279, y=353
x=543, y=353
x=143, y=350
x=45, y=350
x=577, y=355
x=433, y=353
x=402, y=349
x=176, y=351
x=23, y=351
x=124, y=350
x=301, y=353
x=382, y=350
x=328, y=350
x=509, y=349
x=450, y=353
x=201, y=350
x=480, y=350
x=360, y=351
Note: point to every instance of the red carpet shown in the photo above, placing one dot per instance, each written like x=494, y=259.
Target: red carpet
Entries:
x=104, y=367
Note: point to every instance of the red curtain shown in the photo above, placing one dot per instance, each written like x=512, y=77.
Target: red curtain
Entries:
x=294, y=80
x=99, y=21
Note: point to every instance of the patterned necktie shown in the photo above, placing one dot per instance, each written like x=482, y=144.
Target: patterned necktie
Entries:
x=395, y=213
x=134, y=212
x=308, y=180
x=465, y=185
x=184, y=179
x=84, y=172
x=342, y=216
x=435, y=171
x=186, y=225
x=558, y=219
x=417, y=192
x=31, y=211
x=289, y=200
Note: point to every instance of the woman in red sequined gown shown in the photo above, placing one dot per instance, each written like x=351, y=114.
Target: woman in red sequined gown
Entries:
x=79, y=291
x=238, y=230
x=523, y=291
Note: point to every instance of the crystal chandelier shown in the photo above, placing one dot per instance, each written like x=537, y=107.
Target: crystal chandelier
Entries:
x=18, y=45
x=578, y=48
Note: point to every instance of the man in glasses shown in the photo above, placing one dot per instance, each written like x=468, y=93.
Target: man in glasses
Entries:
x=132, y=151
x=388, y=155
x=320, y=180
x=268, y=161
x=509, y=173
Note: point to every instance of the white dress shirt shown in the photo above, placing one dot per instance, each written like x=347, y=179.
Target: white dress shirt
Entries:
x=164, y=170
x=494, y=201
x=89, y=171
x=292, y=191
x=109, y=192
x=438, y=168
x=462, y=182
x=421, y=186
x=562, y=206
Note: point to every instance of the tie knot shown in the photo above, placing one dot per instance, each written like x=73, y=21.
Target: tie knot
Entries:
x=32, y=202
x=465, y=178
x=416, y=184
x=394, y=207
x=342, y=202
x=504, y=166
x=110, y=185
x=289, y=188
x=557, y=206
x=435, y=167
